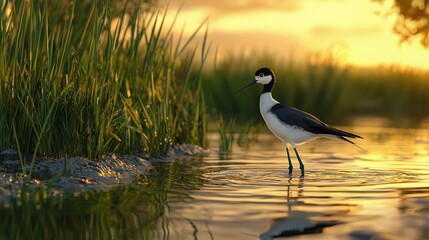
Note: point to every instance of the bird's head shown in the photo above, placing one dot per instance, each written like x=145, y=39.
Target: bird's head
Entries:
x=263, y=76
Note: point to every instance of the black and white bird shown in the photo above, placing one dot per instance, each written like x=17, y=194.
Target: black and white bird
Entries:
x=291, y=125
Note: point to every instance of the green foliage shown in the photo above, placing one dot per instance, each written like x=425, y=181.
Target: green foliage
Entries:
x=88, y=77
x=323, y=82
x=227, y=77
x=248, y=134
x=389, y=91
x=305, y=87
x=323, y=86
x=226, y=134
x=411, y=21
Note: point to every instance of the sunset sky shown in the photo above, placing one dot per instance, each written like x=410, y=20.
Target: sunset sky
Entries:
x=294, y=29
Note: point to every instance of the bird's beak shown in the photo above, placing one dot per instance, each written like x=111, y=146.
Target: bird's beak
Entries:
x=247, y=85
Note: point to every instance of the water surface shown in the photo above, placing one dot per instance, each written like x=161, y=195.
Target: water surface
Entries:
x=378, y=192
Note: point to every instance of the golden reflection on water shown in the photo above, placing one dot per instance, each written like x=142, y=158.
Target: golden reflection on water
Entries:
x=380, y=191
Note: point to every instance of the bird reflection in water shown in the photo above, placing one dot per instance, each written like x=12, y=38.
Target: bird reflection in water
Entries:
x=304, y=222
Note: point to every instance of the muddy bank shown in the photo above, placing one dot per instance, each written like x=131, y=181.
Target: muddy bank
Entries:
x=81, y=174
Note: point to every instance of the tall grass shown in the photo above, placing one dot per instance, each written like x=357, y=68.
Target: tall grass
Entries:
x=226, y=134
x=89, y=77
x=302, y=86
x=389, y=91
x=247, y=134
x=323, y=85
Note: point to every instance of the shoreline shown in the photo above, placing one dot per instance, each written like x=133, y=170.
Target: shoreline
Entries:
x=80, y=174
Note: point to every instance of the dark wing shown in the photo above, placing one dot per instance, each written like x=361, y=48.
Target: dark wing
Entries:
x=308, y=122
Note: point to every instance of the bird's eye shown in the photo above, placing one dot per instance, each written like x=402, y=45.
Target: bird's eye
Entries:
x=261, y=75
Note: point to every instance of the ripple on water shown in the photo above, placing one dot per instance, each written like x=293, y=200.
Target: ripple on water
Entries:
x=380, y=192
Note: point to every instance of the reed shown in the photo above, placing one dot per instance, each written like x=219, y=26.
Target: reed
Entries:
x=226, y=134
x=324, y=85
x=248, y=134
x=88, y=77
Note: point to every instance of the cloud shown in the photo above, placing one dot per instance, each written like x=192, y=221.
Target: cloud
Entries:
x=222, y=7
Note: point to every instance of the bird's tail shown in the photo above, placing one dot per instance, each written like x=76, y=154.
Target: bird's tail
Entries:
x=343, y=135
x=347, y=140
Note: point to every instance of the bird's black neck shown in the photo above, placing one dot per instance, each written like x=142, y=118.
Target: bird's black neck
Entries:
x=268, y=87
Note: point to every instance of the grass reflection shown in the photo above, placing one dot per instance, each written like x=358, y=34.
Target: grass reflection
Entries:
x=93, y=215
x=130, y=212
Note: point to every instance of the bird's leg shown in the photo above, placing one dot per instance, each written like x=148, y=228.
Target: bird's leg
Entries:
x=290, y=162
x=301, y=165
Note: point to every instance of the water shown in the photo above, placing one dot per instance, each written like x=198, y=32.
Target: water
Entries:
x=378, y=192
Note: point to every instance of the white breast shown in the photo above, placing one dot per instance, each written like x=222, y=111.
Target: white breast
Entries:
x=289, y=134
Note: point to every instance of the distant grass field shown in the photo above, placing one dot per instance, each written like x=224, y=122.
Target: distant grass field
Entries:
x=89, y=77
x=324, y=86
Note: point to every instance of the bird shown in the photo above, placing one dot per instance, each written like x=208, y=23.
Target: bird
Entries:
x=289, y=124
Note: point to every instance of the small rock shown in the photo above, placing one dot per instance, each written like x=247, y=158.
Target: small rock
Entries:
x=185, y=149
x=9, y=154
